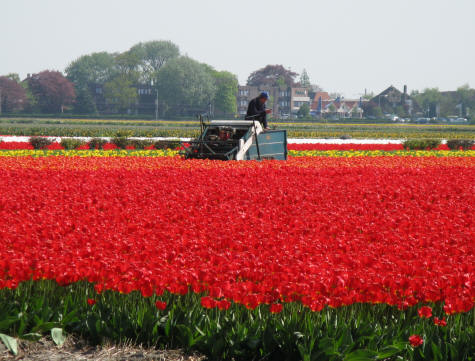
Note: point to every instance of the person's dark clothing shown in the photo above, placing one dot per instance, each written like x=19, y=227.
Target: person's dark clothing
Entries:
x=257, y=110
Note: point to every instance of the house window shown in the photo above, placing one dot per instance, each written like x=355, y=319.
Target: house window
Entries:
x=244, y=92
x=98, y=90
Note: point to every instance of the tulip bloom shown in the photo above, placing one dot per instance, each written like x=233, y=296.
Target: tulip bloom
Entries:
x=416, y=340
x=425, y=312
x=160, y=305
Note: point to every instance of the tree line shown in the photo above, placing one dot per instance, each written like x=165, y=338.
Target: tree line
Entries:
x=179, y=83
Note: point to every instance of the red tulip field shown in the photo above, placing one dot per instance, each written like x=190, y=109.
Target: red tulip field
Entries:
x=316, y=258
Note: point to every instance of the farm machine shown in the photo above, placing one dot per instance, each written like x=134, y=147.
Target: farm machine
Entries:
x=236, y=140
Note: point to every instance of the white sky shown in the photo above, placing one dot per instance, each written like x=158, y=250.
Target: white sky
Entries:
x=345, y=45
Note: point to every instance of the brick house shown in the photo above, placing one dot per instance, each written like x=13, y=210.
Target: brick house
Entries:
x=283, y=100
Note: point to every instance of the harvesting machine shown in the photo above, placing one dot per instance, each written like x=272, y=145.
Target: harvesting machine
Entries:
x=236, y=140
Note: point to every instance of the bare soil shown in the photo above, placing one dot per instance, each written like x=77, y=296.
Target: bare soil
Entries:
x=77, y=350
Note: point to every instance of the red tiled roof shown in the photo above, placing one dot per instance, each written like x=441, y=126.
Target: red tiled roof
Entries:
x=325, y=97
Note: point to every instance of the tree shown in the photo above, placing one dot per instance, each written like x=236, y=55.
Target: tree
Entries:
x=304, y=111
x=368, y=96
x=466, y=98
x=226, y=89
x=52, y=91
x=270, y=75
x=152, y=55
x=14, y=76
x=120, y=93
x=84, y=103
x=128, y=66
x=305, y=80
x=185, y=86
x=429, y=99
x=95, y=68
x=372, y=109
x=12, y=95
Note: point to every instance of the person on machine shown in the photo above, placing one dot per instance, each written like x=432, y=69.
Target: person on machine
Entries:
x=256, y=109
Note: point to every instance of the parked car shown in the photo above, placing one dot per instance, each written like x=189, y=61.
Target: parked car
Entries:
x=422, y=120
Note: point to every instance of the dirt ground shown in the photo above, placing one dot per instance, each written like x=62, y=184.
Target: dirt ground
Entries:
x=76, y=350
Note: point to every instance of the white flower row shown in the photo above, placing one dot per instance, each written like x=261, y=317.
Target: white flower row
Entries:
x=15, y=138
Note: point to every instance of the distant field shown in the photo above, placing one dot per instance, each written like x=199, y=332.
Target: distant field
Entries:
x=144, y=128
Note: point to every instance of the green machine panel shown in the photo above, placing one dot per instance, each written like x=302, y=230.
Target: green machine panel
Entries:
x=272, y=145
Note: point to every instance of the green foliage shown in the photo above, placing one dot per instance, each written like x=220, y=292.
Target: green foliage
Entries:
x=280, y=82
x=184, y=86
x=127, y=65
x=120, y=142
x=140, y=143
x=14, y=76
x=304, y=111
x=456, y=144
x=39, y=142
x=356, y=332
x=124, y=133
x=84, y=103
x=120, y=93
x=305, y=79
x=466, y=97
x=166, y=144
x=226, y=89
x=295, y=129
x=152, y=55
x=70, y=143
x=421, y=144
x=95, y=68
x=97, y=143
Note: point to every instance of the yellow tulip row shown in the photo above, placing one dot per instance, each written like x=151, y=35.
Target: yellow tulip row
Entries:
x=292, y=153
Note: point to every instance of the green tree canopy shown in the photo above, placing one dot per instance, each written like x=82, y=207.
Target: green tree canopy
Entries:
x=226, y=89
x=152, y=55
x=304, y=111
x=92, y=68
x=430, y=99
x=305, y=80
x=120, y=93
x=185, y=86
x=127, y=65
x=466, y=98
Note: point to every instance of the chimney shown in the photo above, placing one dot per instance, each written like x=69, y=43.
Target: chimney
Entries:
x=405, y=89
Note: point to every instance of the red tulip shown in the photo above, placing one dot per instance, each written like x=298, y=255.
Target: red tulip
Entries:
x=416, y=340
x=425, y=312
x=91, y=301
x=160, y=305
x=440, y=322
x=276, y=308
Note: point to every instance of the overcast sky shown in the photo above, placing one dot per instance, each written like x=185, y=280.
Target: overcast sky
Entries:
x=345, y=45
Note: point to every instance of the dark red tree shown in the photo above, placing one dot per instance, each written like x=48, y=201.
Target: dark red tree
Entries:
x=52, y=90
x=272, y=75
x=12, y=95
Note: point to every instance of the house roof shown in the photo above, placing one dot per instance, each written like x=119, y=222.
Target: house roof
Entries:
x=325, y=97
